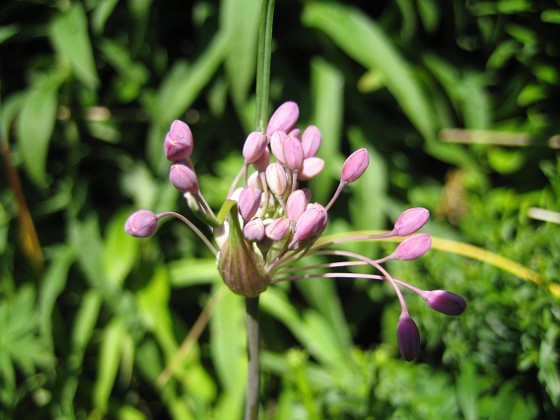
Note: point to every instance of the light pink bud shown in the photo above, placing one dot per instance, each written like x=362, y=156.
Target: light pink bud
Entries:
x=447, y=303
x=411, y=220
x=296, y=132
x=253, y=230
x=355, y=165
x=311, y=167
x=178, y=144
x=249, y=202
x=408, y=338
x=278, y=229
x=276, y=178
x=254, y=180
x=413, y=247
x=262, y=163
x=254, y=146
x=311, y=223
x=311, y=140
x=293, y=153
x=141, y=224
x=277, y=145
x=183, y=178
x=296, y=205
x=284, y=118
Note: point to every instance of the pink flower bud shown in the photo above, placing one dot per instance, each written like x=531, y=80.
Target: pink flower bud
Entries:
x=253, y=230
x=262, y=163
x=311, y=140
x=311, y=167
x=445, y=302
x=411, y=220
x=183, y=178
x=178, y=144
x=311, y=223
x=296, y=205
x=284, y=118
x=408, y=338
x=296, y=132
x=293, y=153
x=276, y=178
x=278, y=229
x=254, y=146
x=355, y=165
x=249, y=201
x=413, y=247
x=141, y=224
x=277, y=140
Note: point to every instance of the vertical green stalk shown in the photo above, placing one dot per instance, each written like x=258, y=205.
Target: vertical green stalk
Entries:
x=264, y=52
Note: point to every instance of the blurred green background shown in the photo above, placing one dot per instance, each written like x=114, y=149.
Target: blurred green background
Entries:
x=458, y=104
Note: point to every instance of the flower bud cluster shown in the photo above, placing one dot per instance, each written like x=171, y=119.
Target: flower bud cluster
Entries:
x=270, y=220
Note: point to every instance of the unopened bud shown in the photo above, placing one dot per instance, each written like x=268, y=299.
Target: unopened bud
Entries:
x=276, y=178
x=278, y=229
x=413, y=247
x=408, y=338
x=311, y=140
x=183, y=178
x=293, y=153
x=253, y=230
x=354, y=166
x=254, y=146
x=141, y=224
x=249, y=201
x=311, y=167
x=262, y=163
x=311, y=223
x=284, y=118
x=178, y=144
x=277, y=140
x=296, y=132
x=411, y=220
x=447, y=303
x=296, y=205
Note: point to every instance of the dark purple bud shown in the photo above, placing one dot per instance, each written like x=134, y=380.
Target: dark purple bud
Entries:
x=178, y=144
x=183, y=178
x=447, y=303
x=408, y=338
x=413, y=247
x=284, y=118
x=141, y=224
x=355, y=165
x=311, y=140
x=254, y=146
x=249, y=202
x=411, y=220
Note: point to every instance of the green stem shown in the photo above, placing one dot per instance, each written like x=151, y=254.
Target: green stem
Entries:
x=253, y=382
x=264, y=52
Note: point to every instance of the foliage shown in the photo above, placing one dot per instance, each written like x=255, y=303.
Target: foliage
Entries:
x=97, y=324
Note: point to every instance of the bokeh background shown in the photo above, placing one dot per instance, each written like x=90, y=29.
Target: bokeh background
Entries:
x=458, y=105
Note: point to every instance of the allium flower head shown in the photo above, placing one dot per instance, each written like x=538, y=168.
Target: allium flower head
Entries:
x=269, y=220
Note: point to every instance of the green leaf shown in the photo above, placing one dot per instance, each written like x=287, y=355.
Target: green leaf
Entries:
x=364, y=41
x=69, y=33
x=240, y=20
x=35, y=127
x=120, y=249
x=101, y=13
x=191, y=272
